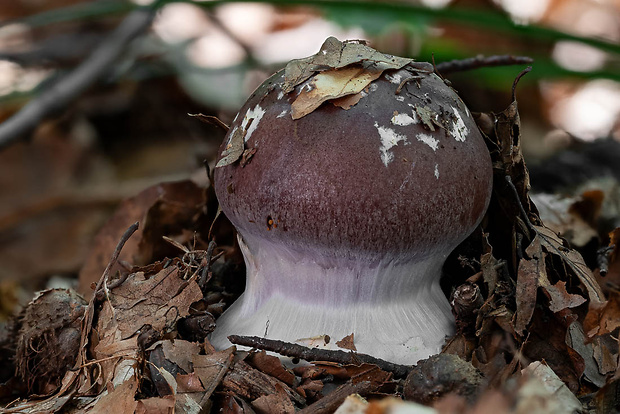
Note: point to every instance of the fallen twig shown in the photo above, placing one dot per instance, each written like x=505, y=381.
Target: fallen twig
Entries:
x=481, y=62
x=313, y=354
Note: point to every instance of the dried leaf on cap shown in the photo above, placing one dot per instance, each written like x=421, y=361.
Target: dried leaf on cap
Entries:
x=335, y=55
x=329, y=85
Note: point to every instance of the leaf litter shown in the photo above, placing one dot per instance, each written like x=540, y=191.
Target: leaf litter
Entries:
x=537, y=323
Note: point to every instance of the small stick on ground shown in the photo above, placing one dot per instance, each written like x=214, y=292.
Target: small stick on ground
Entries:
x=103, y=281
x=481, y=62
x=313, y=354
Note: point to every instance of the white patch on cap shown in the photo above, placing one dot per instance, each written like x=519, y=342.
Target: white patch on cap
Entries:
x=399, y=98
x=404, y=119
x=255, y=115
x=283, y=113
x=428, y=140
x=459, y=130
x=280, y=95
x=437, y=171
x=395, y=78
x=389, y=139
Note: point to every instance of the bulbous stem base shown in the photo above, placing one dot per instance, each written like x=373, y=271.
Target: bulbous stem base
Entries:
x=396, y=311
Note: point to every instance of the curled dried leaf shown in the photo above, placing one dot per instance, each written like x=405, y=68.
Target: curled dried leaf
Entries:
x=335, y=54
x=554, y=245
x=234, y=149
x=329, y=85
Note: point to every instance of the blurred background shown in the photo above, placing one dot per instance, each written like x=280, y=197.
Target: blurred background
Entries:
x=128, y=127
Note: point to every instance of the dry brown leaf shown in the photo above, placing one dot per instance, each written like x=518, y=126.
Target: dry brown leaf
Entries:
x=606, y=353
x=560, y=298
x=271, y=365
x=347, y=343
x=180, y=352
x=277, y=403
x=120, y=400
x=175, y=204
x=554, y=245
x=527, y=286
x=603, y=318
x=334, y=55
x=576, y=340
x=310, y=389
x=158, y=301
x=156, y=405
x=347, y=102
x=547, y=341
x=212, y=368
x=189, y=383
x=329, y=85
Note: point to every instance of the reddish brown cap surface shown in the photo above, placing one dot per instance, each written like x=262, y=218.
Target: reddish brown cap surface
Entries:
x=398, y=174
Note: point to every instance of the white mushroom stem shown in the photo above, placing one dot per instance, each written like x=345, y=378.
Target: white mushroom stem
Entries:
x=396, y=310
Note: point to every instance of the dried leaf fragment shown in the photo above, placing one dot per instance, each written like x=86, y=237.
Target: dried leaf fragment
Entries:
x=347, y=343
x=554, y=245
x=331, y=85
x=212, y=368
x=560, y=298
x=527, y=285
x=271, y=365
x=603, y=318
x=427, y=116
x=347, y=102
x=234, y=149
x=334, y=55
x=120, y=400
x=576, y=340
x=545, y=389
x=158, y=300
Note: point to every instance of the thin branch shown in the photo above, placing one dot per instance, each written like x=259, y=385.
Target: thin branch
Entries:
x=71, y=86
x=117, y=251
x=314, y=354
x=516, y=82
x=481, y=62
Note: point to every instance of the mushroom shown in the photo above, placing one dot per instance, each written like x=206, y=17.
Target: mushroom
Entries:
x=350, y=176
